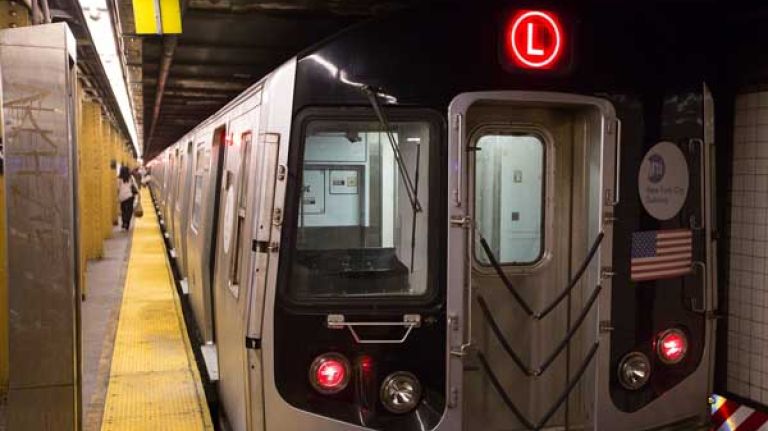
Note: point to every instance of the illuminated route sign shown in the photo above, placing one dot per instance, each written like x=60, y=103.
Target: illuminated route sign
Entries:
x=534, y=40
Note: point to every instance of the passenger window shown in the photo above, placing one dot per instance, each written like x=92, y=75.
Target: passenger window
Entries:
x=509, y=197
x=242, y=201
x=177, y=186
x=201, y=164
x=358, y=233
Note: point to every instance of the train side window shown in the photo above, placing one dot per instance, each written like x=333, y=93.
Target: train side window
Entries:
x=242, y=200
x=509, y=197
x=201, y=164
x=177, y=180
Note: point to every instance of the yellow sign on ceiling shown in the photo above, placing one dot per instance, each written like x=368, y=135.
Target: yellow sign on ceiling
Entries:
x=157, y=16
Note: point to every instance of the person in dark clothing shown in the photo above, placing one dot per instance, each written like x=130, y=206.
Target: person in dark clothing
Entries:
x=126, y=192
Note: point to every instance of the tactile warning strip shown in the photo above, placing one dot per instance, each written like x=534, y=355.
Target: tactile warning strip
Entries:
x=153, y=383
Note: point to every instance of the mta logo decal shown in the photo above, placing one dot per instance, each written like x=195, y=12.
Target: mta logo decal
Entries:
x=657, y=168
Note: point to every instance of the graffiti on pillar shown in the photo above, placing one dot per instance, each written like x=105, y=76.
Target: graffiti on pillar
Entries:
x=36, y=162
x=22, y=120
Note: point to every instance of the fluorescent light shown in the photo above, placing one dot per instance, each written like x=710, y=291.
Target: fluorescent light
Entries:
x=103, y=35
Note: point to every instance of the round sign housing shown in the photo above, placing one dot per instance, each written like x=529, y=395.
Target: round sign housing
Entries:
x=663, y=180
x=535, y=39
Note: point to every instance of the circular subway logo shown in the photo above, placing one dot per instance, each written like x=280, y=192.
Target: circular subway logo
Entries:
x=663, y=181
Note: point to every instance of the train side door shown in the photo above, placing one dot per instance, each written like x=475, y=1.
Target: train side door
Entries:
x=531, y=186
x=184, y=211
x=241, y=182
x=198, y=237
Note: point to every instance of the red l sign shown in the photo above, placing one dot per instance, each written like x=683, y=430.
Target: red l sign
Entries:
x=535, y=39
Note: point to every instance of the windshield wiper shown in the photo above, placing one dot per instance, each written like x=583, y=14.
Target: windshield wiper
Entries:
x=373, y=97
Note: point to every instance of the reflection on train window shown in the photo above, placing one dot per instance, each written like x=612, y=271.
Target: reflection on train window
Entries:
x=358, y=230
x=509, y=184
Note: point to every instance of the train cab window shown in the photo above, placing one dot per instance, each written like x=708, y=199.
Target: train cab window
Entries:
x=509, y=197
x=359, y=229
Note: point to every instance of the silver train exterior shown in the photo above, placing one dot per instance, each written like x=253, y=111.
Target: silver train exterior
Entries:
x=470, y=269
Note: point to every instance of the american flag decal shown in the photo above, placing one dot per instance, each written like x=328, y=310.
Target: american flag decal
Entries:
x=660, y=254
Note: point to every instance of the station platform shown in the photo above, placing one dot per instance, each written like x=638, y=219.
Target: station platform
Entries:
x=153, y=382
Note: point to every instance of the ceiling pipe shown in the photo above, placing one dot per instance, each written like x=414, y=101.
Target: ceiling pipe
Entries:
x=169, y=50
x=46, y=11
x=35, y=7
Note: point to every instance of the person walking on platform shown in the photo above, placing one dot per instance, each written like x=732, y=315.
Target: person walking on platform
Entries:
x=126, y=192
x=142, y=174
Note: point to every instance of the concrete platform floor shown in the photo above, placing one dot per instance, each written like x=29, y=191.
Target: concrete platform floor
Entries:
x=105, y=279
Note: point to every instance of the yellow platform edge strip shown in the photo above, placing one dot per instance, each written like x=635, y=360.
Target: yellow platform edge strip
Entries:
x=154, y=380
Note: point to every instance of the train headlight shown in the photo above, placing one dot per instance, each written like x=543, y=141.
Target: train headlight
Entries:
x=672, y=346
x=400, y=392
x=634, y=370
x=329, y=373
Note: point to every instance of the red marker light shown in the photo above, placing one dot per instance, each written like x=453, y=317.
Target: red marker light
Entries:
x=329, y=373
x=672, y=346
x=366, y=363
x=535, y=39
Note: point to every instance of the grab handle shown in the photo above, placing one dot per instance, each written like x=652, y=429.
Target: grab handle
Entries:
x=699, y=224
x=457, y=198
x=704, y=289
x=617, y=167
x=410, y=321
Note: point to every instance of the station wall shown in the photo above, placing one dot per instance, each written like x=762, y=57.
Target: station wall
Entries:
x=747, y=309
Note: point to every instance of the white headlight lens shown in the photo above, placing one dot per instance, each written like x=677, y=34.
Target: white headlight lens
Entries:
x=400, y=392
x=634, y=370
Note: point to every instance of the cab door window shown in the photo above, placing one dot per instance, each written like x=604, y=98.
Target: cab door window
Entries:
x=509, y=196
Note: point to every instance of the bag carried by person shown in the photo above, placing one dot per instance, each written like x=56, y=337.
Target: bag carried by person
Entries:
x=138, y=211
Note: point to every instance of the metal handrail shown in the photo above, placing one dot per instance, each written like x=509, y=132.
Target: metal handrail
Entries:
x=560, y=400
x=571, y=284
x=410, y=321
x=553, y=355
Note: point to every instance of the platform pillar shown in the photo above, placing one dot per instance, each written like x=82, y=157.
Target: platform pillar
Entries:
x=12, y=15
x=40, y=160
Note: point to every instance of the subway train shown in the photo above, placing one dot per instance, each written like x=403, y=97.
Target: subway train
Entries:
x=491, y=217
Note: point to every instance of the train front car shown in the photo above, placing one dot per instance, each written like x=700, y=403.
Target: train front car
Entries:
x=495, y=217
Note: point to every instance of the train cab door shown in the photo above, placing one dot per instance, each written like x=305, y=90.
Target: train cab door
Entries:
x=531, y=184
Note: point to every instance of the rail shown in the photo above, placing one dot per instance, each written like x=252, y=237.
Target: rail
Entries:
x=410, y=321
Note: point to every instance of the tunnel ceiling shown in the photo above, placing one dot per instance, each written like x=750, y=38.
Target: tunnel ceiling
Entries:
x=226, y=45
